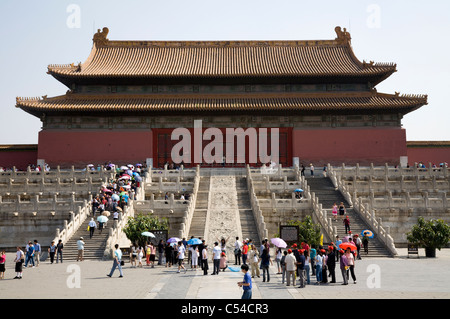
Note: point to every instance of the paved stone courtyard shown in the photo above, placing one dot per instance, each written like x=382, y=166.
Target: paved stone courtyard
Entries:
x=398, y=278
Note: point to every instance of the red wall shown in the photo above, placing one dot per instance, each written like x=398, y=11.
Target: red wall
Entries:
x=349, y=146
x=426, y=155
x=79, y=148
x=18, y=158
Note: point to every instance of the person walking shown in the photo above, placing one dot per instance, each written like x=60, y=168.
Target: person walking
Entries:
x=343, y=266
x=324, y=266
x=351, y=264
x=37, y=252
x=291, y=267
x=311, y=168
x=2, y=264
x=335, y=211
x=319, y=264
x=283, y=266
x=80, y=245
x=194, y=257
x=117, y=262
x=278, y=260
x=59, y=251
x=365, y=242
x=337, y=243
x=237, y=251
x=312, y=255
x=92, y=226
x=347, y=224
x=133, y=255
x=20, y=256
x=216, y=258
x=160, y=252
x=254, y=257
x=205, y=259
x=168, y=250
x=180, y=256
x=265, y=262
x=341, y=210
x=52, y=252
x=244, y=252
x=140, y=254
x=246, y=284
x=331, y=264
x=357, y=242
x=301, y=267
x=29, y=255
x=307, y=266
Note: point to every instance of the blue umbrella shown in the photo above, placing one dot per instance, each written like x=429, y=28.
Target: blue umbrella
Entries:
x=234, y=269
x=102, y=219
x=299, y=190
x=369, y=233
x=194, y=241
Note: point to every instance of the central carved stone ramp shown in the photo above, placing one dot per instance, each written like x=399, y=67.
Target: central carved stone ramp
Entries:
x=223, y=208
x=328, y=195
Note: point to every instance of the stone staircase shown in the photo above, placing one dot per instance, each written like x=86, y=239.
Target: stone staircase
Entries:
x=197, y=228
x=93, y=248
x=327, y=195
x=248, y=225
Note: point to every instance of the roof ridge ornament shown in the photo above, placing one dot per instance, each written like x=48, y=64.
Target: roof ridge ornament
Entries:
x=343, y=37
x=100, y=38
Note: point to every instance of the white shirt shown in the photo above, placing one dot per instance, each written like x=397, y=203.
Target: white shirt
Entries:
x=216, y=252
x=290, y=262
x=319, y=260
x=92, y=224
x=181, y=251
x=80, y=244
x=19, y=255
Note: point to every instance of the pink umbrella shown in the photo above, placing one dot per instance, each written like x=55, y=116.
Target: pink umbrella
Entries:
x=280, y=243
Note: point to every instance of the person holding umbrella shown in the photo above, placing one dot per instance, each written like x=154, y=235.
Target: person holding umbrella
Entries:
x=365, y=240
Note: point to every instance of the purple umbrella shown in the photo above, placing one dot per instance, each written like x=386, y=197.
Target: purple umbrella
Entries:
x=173, y=240
x=280, y=243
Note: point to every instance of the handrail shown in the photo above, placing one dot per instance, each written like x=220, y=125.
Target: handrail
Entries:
x=367, y=213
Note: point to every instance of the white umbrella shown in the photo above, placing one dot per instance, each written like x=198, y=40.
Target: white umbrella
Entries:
x=148, y=234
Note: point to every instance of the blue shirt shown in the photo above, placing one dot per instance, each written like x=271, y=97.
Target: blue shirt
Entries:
x=312, y=254
x=37, y=247
x=30, y=251
x=247, y=280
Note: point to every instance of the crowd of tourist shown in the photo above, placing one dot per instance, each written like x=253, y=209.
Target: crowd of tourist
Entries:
x=110, y=200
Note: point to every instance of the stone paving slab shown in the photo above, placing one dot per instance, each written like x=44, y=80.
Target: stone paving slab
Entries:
x=400, y=278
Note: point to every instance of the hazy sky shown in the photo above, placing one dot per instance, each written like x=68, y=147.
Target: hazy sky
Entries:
x=413, y=34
